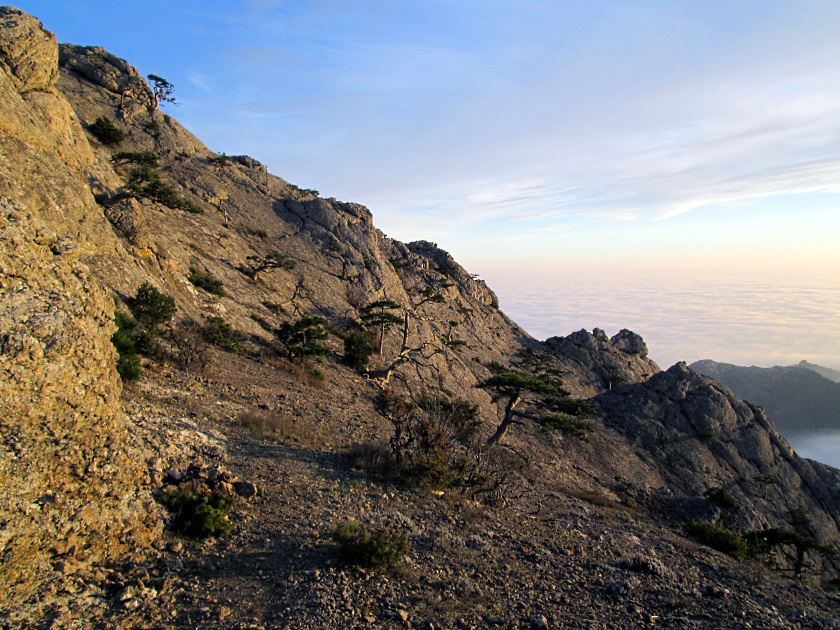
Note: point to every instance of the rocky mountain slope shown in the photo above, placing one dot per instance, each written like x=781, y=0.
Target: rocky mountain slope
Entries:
x=797, y=398
x=573, y=519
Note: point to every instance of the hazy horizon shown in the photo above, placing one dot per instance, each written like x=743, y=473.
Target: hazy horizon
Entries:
x=743, y=320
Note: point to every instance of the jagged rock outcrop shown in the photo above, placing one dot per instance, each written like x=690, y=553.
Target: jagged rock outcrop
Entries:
x=686, y=434
x=597, y=363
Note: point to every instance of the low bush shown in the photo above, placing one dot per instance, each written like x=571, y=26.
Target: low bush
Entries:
x=371, y=547
x=359, y=346
x=143, y=181
x=219, y=333
x=137, y=335
x=718, y=537
x=722, y=498
x=151, y=307
x=300, y=340
x=106, y=132
x=189, y=345
x=375, y=459
x=143, y=158
x=198, y=515
x=206, y=281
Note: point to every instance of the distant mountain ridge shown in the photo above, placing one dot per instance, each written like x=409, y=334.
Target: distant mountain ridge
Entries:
x=799, y=398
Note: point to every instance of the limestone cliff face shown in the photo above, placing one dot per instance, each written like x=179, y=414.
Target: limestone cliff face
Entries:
x=72, y=493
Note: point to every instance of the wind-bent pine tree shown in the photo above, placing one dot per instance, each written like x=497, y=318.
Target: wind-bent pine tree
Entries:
x=380, y=315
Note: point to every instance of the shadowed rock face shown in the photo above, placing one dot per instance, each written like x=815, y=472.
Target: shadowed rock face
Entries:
x=692, y=434
x=797, y=398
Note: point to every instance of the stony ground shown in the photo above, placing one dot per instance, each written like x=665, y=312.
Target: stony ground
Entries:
x=572, y=564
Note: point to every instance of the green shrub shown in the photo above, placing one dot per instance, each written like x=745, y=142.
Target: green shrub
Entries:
x=106, y=132
x=206, y=281
x=218, y=332
x=128, y=367
x=579, y=428
x=143, y=181
x=143, y=158
x=198, y=515
x=718, y=537
x=359, y=346
x=301, y=339
x=151, y=307
x=723, y=498
x=136, y=335
x=371, y=547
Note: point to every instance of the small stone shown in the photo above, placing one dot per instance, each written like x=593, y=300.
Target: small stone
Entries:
x=245, y=489
x=539, y=622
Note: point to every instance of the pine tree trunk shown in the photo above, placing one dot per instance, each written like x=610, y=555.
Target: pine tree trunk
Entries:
x=504, y=427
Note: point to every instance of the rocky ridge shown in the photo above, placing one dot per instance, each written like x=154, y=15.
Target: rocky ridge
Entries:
x=589, y=537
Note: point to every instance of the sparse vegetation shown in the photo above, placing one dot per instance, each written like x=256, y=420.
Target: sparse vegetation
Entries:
x=136, y=335
x=432, y=437
x=144, y=181
x=161, y=91
x=722, y=498
x=718, y=537
x=359, y=346
x=549, y=403
x=766, y=540
x=273, y=260
x=279, y=427
x=371, y=547
x=221, y=160
x=106, y=132
x=380, y=314
x=219, y=333
x=189, y=344
x=206, y=281
x=142, y=158
x=198, y=515
x=301, y=340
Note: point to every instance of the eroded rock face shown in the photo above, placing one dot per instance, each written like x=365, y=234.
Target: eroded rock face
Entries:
x=28, y=53
x=72, y=494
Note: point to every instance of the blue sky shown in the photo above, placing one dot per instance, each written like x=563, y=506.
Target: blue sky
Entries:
x=693, y=137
